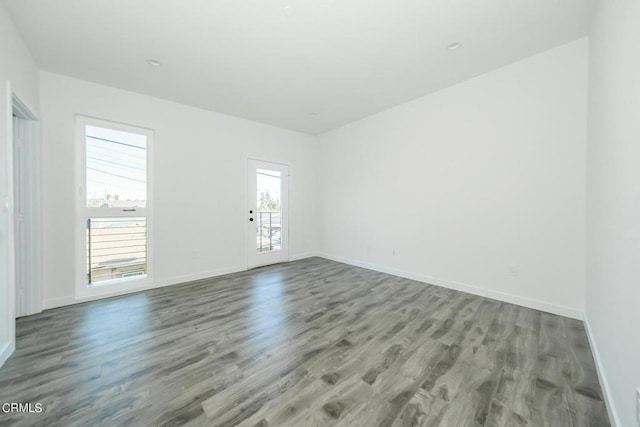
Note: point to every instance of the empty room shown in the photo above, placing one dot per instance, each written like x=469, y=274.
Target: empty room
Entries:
x=320, y=213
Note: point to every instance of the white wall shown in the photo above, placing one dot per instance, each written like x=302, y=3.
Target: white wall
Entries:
x=18, y=74
x=613, y=201
x=469, y=180
x=200, y=181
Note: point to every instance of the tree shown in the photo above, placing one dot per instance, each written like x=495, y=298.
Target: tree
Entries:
x=267, y=203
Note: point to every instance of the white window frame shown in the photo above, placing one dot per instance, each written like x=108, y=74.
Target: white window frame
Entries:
x=123, y=285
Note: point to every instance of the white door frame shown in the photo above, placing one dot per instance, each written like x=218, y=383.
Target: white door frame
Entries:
x=26, y=186
x=255, y=259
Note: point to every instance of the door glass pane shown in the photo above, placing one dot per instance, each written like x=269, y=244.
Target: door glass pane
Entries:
x=116, y=248
x=269, y=212
x=116, y=168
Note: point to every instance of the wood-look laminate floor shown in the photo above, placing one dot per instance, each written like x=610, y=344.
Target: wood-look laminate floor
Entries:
x=307, y=343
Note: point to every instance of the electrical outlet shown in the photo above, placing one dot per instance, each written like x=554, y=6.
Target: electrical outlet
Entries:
x=638, y=405
x=513, y=270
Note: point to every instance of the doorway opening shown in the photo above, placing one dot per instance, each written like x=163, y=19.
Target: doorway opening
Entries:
x=26, y=210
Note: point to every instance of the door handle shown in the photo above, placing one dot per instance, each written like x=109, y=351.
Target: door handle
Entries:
x=128, y=210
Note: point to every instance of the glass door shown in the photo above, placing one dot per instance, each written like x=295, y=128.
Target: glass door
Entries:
x=267, y=213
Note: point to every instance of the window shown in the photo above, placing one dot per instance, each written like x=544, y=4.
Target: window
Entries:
x=115, y=205
x=116, y=163
x=268, y=210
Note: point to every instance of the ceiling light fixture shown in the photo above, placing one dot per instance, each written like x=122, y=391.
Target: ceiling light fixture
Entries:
x=154, y=62
x=313, y=114
x=454, y=46
x=288, y=10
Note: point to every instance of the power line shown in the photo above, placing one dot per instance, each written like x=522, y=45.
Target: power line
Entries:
x=116, y=142
x=115, y=163
x=119, y=176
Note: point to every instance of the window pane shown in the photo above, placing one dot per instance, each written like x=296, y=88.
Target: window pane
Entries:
x=116, y=168
x=269, y=213
x=116, y=248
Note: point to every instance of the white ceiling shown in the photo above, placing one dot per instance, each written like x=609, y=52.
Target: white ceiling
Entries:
x=279, y=61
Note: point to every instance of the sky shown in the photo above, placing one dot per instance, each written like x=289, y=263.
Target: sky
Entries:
x=268, y=181
x=116, y=165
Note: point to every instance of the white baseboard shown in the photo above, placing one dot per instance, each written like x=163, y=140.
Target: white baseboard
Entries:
x=608, y=398
x=69, y=300
x=302, y=256
x=501, y=296
x=7, y=350
x=198, y=276
x=58, y=302
x=548, y=307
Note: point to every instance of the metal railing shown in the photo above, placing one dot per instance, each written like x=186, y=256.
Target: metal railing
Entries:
x=116, y=248
x=268, y=231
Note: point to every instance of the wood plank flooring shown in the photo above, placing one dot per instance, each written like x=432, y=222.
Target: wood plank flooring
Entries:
x=307, y=343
